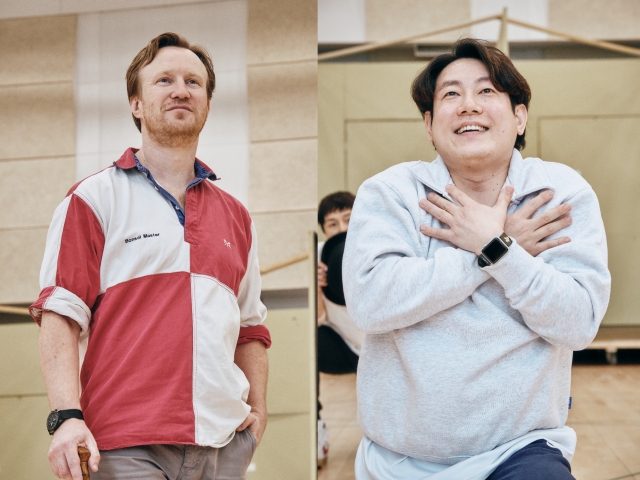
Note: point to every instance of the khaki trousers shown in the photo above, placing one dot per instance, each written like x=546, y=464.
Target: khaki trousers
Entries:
x=179, y=462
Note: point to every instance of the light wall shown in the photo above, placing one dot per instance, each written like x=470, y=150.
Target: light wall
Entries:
x=282, y=99
x=37, y=151
x=386, y=20
x=282, y=79
x=584, y=113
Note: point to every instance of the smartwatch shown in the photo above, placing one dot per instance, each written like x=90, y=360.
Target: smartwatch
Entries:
x=494, y=250
x=57, y=417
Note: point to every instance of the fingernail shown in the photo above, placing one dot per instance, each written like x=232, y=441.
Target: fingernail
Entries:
x=567, y=208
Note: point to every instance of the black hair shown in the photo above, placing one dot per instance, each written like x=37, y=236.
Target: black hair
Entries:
x=336, y=201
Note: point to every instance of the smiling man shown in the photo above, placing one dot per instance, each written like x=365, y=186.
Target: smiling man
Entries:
x=151, y=279
x=471, y=299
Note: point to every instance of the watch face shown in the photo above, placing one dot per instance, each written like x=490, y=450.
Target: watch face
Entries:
x=52, y=421
x=494, y=250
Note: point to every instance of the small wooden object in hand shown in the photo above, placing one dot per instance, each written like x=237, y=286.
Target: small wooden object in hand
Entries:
x=84, y=455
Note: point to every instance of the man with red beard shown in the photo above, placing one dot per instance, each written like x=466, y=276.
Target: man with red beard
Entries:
x=151, y=279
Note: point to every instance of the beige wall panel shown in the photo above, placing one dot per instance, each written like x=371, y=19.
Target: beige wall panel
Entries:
x=83, y=6
x=607, y=153
x=20, y=8
x=24, y=439
x=37, y=121
x=283, y=453
x=22, y=205
x=331, y=99
x=280, y=237
x=624, y=264
x=389, y=20
x=37, y=49
x=375, y=146
x=613, y=19
x=381, y=90
x=283, y=101
x=284, y=175
x=21, y=253
x=282, y=31
x=289, y=362
x=19, y=360
x=582, y=87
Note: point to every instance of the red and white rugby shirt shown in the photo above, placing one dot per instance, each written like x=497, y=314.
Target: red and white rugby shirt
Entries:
x=161, y=306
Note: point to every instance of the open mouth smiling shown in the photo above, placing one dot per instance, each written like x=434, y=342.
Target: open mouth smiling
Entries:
x=471, y=128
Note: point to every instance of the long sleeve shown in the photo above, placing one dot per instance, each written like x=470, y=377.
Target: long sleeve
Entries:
x=563, y=293
x=388, y=280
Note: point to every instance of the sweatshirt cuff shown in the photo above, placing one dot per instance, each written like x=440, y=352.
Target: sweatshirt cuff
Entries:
x=514, y=268
x=475, y=274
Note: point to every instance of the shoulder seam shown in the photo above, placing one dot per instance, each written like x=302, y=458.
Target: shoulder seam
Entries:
x=92, y=207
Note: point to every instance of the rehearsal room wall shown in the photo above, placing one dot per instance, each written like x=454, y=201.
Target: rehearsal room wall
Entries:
x=66, y=115
x=584, y=113
x=37, y=167
x=282, y=86
x=612, y=20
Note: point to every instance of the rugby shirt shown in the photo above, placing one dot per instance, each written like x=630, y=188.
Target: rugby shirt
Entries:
x=161, y=306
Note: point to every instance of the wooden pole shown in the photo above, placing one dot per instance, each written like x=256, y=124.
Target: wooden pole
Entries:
x=284, y=263
x=375, y=46
x=575, y=38
x=14, y=310
x=503, y=40
x=84, y=455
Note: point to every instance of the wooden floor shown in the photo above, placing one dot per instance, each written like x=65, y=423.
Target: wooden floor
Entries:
x=605, y=414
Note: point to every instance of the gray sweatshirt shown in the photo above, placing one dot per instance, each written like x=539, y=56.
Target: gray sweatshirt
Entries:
x=459, y=359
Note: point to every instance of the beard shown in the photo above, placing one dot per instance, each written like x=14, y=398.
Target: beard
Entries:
x=174, y=129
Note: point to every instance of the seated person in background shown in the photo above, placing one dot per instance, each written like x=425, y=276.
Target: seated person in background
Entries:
x=465, y=369
x=339, y=339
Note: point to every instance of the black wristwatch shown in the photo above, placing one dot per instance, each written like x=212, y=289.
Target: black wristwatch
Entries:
x=55, y=418
x=494, y=250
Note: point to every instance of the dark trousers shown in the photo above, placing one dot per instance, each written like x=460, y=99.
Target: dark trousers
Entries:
x=536, y=461
x=334, y=355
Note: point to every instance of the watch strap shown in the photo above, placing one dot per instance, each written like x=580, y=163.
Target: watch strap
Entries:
x=67, y=414
x=506, y=239
x=482, y=262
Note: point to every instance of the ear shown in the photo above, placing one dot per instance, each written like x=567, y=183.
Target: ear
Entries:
x=427, y=124
x=521, y=117
x=136, y=106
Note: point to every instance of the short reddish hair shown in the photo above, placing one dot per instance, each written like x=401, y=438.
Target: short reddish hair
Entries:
x=148, y=53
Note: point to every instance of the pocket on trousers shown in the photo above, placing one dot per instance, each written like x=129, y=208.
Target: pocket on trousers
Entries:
x=253, y=439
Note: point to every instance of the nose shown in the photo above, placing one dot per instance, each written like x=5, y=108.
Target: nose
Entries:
x=469, y=104
x=180, y=90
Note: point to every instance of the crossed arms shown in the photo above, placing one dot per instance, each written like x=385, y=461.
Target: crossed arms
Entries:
x=398, y=273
